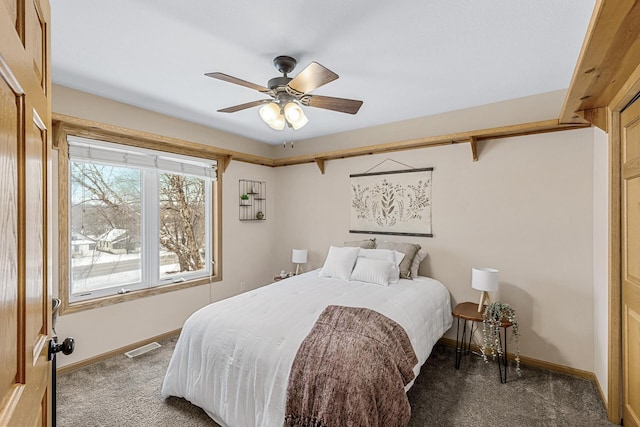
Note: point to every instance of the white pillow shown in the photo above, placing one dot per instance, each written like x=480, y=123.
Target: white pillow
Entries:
x=381, y=254
x=395, y=257
x=372, y=271
x=339, y=262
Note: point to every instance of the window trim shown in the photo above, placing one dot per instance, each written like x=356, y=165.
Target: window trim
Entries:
x=140, y=140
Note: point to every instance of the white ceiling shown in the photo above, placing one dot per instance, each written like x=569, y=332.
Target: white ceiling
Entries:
x=404, y=59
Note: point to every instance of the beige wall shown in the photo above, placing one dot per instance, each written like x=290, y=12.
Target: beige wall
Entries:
x=525, y=208
x=528, y=208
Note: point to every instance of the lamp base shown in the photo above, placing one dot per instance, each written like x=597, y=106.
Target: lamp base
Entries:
x=298, y=269
x=484, y=298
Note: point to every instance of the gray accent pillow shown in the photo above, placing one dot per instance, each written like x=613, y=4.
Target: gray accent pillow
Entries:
x=415, y=265
x=364, y=244
x=408, y=249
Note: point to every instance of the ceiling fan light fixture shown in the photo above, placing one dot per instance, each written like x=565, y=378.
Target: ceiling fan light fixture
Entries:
x=295, y=115
x=300, y=123
x=277, y=123
x=293, y=112
x=269, y=112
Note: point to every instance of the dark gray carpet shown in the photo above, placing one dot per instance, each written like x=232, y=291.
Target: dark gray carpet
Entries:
x=126, y=392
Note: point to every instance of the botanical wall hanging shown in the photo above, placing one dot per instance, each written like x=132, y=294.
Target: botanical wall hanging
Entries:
x=393, y=202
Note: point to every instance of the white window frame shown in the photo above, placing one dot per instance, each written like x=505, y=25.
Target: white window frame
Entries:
x=151, y=163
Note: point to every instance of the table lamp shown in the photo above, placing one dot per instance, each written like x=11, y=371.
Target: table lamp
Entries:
x=485, y=280
x=299, y=256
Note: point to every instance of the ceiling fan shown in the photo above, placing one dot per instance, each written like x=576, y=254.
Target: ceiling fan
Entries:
x=288, y=94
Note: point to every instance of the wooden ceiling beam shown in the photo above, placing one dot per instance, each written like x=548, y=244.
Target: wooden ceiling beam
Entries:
x=80, y=127
x=595, y=116
x=431, y=141
x=105, y=132
x=609, y=55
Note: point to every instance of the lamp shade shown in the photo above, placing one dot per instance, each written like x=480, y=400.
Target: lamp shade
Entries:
x=293, y=112
x=277, y=123
x=295, y=116
x=484, y=279
x=271, y=115
x=299, y=256
x=301, y=122
x=269, y=111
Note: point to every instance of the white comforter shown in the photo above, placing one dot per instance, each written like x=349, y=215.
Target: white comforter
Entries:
x=233, y=357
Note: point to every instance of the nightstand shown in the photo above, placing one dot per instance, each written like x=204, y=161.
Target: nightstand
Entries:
x=468, y=311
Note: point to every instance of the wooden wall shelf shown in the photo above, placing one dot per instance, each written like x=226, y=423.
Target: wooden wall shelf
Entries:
x=81, y=127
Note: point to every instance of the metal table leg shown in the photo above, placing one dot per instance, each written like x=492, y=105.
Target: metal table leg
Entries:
x=468, y=351
x=460, y=342
x=502, y=359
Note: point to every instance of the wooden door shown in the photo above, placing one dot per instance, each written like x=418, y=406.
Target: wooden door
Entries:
x=25, y=296
x=630, y=132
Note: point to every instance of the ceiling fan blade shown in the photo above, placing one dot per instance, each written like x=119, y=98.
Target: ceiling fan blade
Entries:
x=235, y=80
x=312, y=77
x=342, y=105
x=243, y=106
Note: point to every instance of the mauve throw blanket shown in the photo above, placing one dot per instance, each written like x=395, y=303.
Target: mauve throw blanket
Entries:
x=351, y=370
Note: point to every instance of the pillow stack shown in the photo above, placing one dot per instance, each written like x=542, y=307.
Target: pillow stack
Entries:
x=364, y=262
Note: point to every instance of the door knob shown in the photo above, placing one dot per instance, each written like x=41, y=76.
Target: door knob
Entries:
x=67, y=346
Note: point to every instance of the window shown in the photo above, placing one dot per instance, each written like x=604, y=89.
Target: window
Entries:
x=137, y=218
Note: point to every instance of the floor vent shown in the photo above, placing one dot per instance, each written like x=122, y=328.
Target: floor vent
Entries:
x=142, y=350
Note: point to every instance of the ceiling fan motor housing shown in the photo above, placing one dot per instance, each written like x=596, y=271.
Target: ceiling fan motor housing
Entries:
x=284, y=64
x=276, y=82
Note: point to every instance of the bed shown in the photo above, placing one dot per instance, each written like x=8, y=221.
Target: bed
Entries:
x=233, y=357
